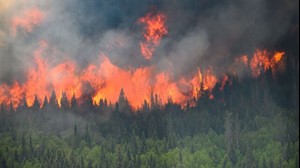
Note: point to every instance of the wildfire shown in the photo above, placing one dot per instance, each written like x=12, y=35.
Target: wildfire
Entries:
x=104, y=80
x=99, y=81
x=207, y=80
x=27, y=20
x=155, y=29
x=262, y=60
x=277, y=57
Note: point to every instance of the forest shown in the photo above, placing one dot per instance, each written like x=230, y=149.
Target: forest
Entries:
x=250, y=123
x=149, y=84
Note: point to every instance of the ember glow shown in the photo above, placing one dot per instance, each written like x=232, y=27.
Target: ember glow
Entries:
x=155, y=29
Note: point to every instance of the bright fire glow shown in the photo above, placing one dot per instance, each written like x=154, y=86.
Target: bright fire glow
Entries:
x=155, y=29
x=104, y=80
x=100, y=81
x=262, y=61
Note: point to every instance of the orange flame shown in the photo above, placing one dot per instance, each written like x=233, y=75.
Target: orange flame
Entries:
x=105, y=80
x=155, y=29
x=27, y=20
x=207, y=79
x=98, y=81
x=262, y=60
x=277, y=57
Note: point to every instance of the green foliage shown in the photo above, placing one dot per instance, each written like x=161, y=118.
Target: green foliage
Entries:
x=219, y=135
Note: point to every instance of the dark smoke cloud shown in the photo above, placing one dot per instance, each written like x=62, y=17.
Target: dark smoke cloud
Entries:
x=201, y=33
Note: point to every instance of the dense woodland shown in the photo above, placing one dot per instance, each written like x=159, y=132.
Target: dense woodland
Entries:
x=250, y=123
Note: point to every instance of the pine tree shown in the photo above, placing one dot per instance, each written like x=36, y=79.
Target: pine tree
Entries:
x=53, y=101
x=237, y=128
x=74, y=105
x=75, y=143
x=23, y=147
x=146, y=107
x=30, y=145
x=123, y=104
x=36, y=103
x=23, y=105
x=180, y=158
x=229, y=136
x=87, y=135
x=45, y=103
x=11, y=107
x=2, y=108
x=64, y=101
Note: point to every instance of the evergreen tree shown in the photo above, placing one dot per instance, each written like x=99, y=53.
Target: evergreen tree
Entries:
x=237, y=128
x=87, y=135
x=74, y=105
x=76, y=137
x=23, y=105
x=11, y=107
x=146, y=107
x=36, y=103
x=229, y=136
x=64, y=101
x=123, y=104
x=45, y=103
x=30, y=145
x=2, y=108
x=53, y=101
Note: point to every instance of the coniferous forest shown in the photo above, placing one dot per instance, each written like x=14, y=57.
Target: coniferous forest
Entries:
x=248, y=124
x=220, y=81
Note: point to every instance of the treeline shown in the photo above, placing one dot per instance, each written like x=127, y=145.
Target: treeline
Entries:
x=247, y=124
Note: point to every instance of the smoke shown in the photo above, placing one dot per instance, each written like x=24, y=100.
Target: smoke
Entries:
x=200, y=33
x=187, y=51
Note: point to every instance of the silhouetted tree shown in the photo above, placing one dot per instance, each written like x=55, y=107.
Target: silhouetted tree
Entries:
x=45, y=103
x=2, y=107
x=23, y=104
x=123, y=104
x=11, y=107
x=53, y=101
x=74, y=105
x=36, y=103
x=146, y=107
x=64, y=101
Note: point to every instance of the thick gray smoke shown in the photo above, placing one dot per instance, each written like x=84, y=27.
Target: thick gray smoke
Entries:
x=200, y=32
